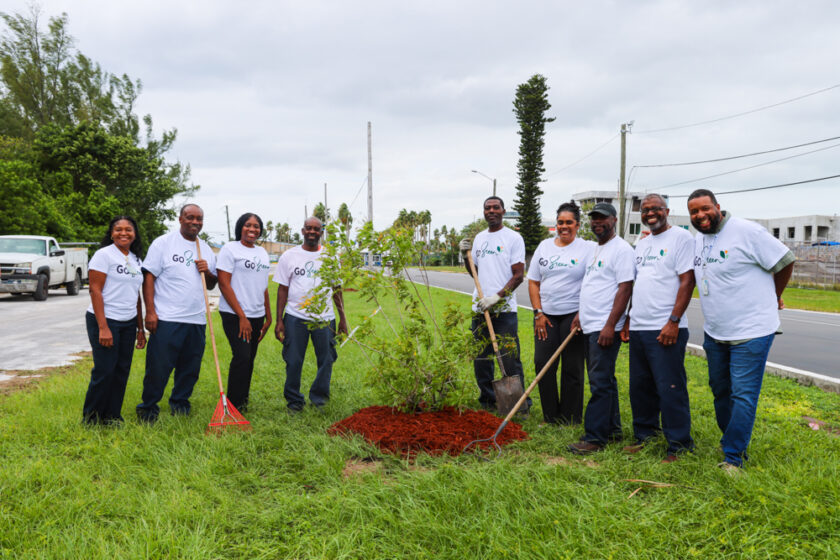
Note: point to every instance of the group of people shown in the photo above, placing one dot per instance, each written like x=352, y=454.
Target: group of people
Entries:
x=612, y=292
x=607, y=290
x=175, y=314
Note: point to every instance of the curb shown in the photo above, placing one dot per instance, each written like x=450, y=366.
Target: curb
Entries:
x=807, y=378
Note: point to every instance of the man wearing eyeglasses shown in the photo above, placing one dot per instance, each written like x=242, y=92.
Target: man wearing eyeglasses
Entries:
x=658, y=332
x=741, y=271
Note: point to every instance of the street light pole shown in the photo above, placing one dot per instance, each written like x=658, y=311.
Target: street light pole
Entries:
x=488, y=178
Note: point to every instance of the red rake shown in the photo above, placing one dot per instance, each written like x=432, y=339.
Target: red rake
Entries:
x=225, y=415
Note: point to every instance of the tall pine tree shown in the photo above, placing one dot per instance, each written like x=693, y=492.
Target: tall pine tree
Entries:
x=530, y=106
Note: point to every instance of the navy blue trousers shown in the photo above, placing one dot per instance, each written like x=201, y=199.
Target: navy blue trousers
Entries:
x=602, y=419
x=294, y=351
x=178, y=346
x=658, y=388
x=504, y=324
x=242, y=360
x=111, y=366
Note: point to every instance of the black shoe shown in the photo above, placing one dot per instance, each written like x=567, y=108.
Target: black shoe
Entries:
x=585, y=448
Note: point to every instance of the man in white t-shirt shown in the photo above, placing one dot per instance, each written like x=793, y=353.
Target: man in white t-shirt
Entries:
x=741, y=272
x=175, y=313
x=297, y=276
x=658, y=332
x=607, y=285
x=499, y=258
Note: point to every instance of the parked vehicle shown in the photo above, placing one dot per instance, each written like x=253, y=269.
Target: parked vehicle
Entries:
x=32, y=264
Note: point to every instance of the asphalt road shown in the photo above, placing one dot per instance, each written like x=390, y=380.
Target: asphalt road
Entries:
x=809, y=342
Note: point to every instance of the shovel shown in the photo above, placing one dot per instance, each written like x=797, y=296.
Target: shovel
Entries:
x=523, y=397
x=487, y=319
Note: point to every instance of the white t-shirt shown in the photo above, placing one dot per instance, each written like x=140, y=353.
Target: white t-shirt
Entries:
x=612, y=263
x=660, y=259
x=123, y=281
x=298, y=269
x=178, y=293
x=560, y=270
x=248, y=268
x=735, y=263
x=494, y=253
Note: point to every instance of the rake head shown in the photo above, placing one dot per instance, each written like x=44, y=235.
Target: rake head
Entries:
x=473, y=448
x=226, y=417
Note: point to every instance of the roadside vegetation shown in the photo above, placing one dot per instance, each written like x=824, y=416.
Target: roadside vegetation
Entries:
x=288, y=490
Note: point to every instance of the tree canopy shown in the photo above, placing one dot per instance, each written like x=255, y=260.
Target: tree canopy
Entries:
x=71, y=156
x=530, y=106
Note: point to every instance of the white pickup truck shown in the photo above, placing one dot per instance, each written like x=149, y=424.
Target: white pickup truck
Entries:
x=32, y=264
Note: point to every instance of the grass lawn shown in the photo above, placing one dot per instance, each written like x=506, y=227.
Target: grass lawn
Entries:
x=447, y=268
x=812, y=299
x=283, y=490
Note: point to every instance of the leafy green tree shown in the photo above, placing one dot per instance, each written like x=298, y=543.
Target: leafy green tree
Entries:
x=530, y=107
x=26, y=208
x=320, y=212
x=345, y=217
x=283, y=233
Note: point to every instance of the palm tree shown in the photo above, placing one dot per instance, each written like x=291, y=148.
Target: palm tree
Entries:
x=345, y=217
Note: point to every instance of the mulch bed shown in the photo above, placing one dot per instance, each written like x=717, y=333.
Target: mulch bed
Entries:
x=436, y=433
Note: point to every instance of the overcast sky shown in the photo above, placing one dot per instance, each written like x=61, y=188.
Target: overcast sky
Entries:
x=271, y=99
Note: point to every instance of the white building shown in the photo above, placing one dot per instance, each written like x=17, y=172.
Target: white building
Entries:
x=803, y=230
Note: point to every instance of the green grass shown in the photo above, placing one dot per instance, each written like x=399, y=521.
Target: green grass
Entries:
x=169, y=491
x=447, y=268
x=812, y=299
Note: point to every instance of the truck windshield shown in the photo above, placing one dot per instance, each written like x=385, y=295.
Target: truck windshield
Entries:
x=35, y=246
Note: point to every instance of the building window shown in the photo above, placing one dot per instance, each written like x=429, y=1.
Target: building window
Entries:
x=776, y=232
x=807, y=233
x=791, y=232
x=637, y=204
x=635, y=229
x=822, y=233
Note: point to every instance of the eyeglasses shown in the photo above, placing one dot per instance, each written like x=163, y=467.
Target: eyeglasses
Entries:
x=652, y=209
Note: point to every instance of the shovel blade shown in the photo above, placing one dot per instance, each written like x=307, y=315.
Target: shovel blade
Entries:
x=508, y=391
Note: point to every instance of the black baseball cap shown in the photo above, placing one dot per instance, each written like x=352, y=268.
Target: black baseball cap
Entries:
x=603, y=208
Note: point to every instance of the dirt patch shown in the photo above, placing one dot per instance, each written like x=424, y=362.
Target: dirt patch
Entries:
x=446, y=431
x=356, y=467
x=18, y=380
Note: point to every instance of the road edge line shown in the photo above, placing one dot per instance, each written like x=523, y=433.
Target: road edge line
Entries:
x=803, y=377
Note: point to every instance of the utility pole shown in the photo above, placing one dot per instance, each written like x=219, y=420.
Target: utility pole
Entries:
x=326, y=212
x=494, y=186
x=622, y=218
x=227, y=214
x=305, y=213
x=370, y=178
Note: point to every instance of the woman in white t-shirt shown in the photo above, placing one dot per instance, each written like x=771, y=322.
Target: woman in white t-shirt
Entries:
x=242, y=268
x=114, y=319
x=554, y=280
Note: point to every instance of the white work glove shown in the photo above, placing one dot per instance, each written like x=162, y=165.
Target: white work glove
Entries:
x=487, y=302
x=465, y=245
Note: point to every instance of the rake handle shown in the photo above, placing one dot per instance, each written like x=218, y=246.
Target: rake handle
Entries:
x=486, y=314
x=536, y=380
x=210, y=324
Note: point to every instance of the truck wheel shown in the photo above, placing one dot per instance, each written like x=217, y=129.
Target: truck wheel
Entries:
x=74, y=286
x=43, y=288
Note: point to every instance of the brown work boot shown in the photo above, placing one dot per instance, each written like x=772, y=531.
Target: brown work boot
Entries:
x=670, y=458
x=584, y=447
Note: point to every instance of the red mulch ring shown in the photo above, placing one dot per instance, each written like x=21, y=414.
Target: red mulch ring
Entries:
x=435, y=433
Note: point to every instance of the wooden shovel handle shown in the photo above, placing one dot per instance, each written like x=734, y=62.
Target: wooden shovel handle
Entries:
x=486, y=313
x=210, y=321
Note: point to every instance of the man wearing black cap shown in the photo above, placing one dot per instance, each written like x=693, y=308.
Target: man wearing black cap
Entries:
x=604, y=295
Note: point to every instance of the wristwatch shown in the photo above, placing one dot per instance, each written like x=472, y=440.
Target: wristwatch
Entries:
x=674, y=319
x=538, y=312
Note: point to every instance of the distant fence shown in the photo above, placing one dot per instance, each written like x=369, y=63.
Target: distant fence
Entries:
x=818, y=266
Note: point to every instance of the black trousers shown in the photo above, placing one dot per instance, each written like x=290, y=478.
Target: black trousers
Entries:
x=111, y=366
x=568, y=408
x=504, y=324
x=242, y=361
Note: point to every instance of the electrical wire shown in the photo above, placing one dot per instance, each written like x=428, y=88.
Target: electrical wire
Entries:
x=358, y=192
x=592, y=153
x=741, y=156
x=743, y=168
x=736, y=115
x=764, y=188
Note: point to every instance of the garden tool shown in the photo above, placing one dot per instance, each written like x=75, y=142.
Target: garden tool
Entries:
x=225, y=415
x=487, y=316
x=524, y=396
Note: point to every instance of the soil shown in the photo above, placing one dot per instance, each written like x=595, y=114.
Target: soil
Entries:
x=446, y=431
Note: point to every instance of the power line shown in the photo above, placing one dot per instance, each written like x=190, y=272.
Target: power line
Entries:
x=593, y=152
x=743, y=168
x=364, y=182
x=764, y=188
x=741, y=156
x=736, y=115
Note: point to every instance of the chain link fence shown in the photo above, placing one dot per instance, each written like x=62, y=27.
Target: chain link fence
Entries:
x=817, y=266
